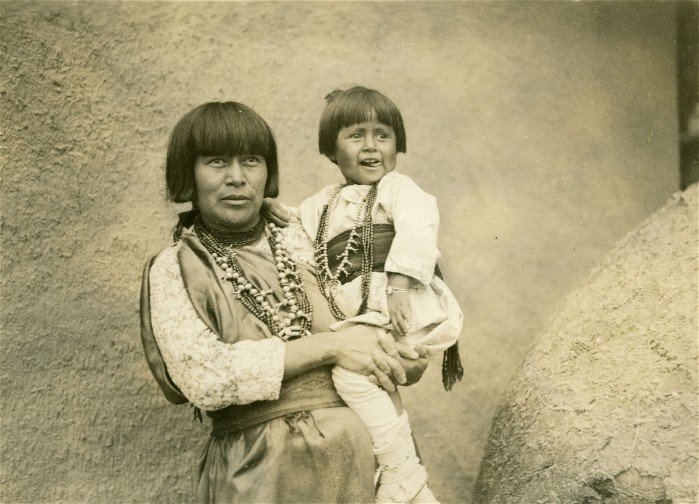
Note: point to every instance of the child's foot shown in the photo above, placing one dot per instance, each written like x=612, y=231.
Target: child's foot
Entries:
x=403, y=483
x=424, y=496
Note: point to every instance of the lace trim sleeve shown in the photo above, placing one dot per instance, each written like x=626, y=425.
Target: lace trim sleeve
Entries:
x=210, y=373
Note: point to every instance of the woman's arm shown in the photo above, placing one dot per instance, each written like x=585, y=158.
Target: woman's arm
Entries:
x=213, y=374
x=210, y=373
x=363, y=349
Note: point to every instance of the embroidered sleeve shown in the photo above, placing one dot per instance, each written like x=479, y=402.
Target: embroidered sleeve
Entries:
x=416, y=221
x=210, y=373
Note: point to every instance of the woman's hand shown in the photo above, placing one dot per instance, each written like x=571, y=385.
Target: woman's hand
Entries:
x=392, y=367
x=369, y=351
x=413, y=360
x=275, y=212
x=364, y=349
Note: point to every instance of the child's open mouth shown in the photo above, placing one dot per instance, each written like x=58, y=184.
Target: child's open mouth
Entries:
x=370, y=162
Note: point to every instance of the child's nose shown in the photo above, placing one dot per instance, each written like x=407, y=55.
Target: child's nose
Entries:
x=369, y=143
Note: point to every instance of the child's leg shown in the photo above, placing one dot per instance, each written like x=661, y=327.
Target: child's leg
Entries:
x=372, y=405
x=402, y=475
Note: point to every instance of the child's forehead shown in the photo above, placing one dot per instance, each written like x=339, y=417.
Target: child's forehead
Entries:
x=367, y=115
x=364, y=113
x=371, y=124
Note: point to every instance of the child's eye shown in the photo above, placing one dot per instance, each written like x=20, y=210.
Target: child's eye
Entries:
x=216, y=161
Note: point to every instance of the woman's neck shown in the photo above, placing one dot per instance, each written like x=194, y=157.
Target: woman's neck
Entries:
x=229, y=237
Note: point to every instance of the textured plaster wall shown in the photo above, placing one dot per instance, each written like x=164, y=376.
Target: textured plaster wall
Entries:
x=546, y=130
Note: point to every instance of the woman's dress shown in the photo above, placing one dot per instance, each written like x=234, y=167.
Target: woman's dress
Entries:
x=271, y=441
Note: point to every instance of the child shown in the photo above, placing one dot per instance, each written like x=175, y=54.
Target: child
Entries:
x=376, y=252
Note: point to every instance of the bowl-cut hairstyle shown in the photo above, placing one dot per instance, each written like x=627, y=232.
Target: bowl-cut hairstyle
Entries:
x=357, y=104
x=217, y=129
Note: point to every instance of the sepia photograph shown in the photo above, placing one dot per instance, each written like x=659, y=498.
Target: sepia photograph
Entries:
x=316, y=252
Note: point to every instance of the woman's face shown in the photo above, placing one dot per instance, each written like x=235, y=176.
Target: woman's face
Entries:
x=365, y=152
x=230, y=190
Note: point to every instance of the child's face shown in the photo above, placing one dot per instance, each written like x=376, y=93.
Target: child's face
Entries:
x=365, y=152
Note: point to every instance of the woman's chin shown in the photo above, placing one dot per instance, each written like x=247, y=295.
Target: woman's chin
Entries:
x=236, y=222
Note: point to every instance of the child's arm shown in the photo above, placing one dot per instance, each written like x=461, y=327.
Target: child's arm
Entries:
x=415, y=218
x=398, y=302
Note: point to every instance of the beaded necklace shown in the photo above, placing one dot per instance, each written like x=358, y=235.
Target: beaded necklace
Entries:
x=238, y=239
x=296, y=320
x=364, y=231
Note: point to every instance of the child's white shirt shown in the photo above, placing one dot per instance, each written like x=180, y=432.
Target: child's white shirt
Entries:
x=436, y=318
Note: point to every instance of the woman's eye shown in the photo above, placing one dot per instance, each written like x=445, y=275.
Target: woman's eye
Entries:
x=252, y=160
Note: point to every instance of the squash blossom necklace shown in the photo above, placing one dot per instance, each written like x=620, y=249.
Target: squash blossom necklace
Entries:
x=363, y=230
x=289, y=319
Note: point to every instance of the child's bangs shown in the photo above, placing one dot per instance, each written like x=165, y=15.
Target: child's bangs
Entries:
x=230, y=133
x=367, y=108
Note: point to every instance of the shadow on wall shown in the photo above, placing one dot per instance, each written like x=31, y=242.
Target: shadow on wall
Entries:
x=688, y=90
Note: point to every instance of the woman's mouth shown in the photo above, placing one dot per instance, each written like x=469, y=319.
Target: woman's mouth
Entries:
x=235, y=199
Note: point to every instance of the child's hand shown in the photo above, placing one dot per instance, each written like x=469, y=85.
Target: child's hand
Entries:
x=276, y=212
x=399, y=311
x=414, y=369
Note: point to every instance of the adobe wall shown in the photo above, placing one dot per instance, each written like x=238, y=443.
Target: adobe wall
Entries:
x=547, y=131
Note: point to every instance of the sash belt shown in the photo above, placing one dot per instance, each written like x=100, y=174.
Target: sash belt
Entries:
x=309, y=391
x=383, y=237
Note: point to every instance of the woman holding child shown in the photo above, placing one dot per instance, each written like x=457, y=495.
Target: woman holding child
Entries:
x=234, y=322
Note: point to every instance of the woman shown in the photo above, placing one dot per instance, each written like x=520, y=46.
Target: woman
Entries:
x=233, y=321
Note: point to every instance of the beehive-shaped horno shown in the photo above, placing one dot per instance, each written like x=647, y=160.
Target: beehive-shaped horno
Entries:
x=604, y=407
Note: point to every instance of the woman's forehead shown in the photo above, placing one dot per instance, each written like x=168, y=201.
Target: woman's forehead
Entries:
x=232, y=143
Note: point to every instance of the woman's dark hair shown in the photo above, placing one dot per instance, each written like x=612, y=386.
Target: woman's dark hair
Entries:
x=217, y=128
x=345, y=107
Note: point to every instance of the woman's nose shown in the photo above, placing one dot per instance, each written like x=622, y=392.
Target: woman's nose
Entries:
x=234, y=173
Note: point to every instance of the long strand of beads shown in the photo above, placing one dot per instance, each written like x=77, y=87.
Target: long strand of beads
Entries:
x=368, y=245
x=289, y=319
x=329, y=280
x=295, y=301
